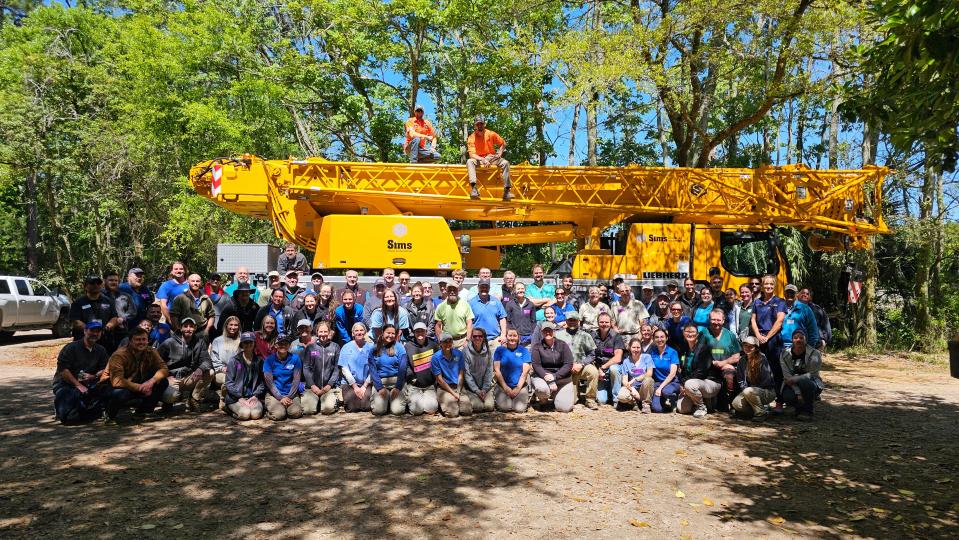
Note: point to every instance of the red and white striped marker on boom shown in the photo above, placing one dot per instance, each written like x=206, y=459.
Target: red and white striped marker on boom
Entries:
x=217, y=174
x=855, y=289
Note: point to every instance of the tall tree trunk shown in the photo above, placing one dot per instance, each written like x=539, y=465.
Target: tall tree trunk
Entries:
x=572, y=136
x=924, y=260
x=591, y=129
x=661, y=133
x=866, y=310
x=33, y=226
x=732, y=144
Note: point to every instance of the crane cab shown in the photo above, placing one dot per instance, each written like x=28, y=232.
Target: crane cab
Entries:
x=656, y=253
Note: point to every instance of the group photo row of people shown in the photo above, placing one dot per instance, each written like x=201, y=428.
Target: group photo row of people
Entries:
x=284, y=349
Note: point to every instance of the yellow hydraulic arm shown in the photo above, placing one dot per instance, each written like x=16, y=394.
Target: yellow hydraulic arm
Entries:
x=569, y=202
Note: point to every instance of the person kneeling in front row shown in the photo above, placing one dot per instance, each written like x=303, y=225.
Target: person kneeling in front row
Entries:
x=755, y=379
x=511, y=367
x=420, y=382
x=79, y=366
x=282, y=372
x=637, y=375
x=449, y=368
x=553, y=364
x=321, y=372
x=243, y=386
x=387, y=362
x=134, y=374
x=801, y=382
x=478, y=376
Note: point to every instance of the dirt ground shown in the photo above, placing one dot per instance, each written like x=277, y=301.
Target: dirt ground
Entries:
x=879, y=461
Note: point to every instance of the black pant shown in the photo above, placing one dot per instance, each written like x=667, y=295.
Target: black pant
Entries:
x=809, y=392
x=75, y=408
x=117, y=398
x=773, y=349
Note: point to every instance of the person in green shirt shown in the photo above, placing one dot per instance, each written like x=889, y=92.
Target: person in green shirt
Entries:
x=584, y=348
x=454, y=317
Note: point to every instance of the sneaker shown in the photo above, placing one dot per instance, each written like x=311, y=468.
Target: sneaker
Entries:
x=592, y=405
x=193, y=405
x=645, y=408
x=507, y=196
x=110, y=421
x=778, y=409
x=474, y=193
x=700, y=412
x=166, y=408
x=760, y=417
x=139, y=414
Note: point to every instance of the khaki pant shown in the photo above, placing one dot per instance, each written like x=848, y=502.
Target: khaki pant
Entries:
x=589, y=373
x=563, y=400
x=504, y=403
x=645, y=391
x=450, y=407
x=325, y=403
x=242, y=412
x=421, y=400
x=458, y=343
x=503, y=165
x=276, y=411
x=381, y=405
x=189, y=386
x=697, y=391
x=480, y=405
x=750, y=401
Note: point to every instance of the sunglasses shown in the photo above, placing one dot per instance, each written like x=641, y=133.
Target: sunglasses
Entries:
x=478, y=336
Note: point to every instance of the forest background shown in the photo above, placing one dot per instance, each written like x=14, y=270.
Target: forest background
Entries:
x=104, y=106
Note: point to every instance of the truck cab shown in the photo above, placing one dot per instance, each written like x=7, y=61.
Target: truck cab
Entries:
x=27, y=304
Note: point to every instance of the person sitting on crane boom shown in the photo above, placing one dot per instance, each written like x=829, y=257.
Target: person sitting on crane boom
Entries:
x=419, y=133
x=481, y=145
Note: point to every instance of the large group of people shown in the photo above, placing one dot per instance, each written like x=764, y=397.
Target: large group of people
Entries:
x=282, y=350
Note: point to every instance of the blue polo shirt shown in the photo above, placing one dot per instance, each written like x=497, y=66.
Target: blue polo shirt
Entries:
x=384, y=365
x=356, y=360
x=486, y=315
x=511, y=362
x=449, y=368
x=282, y=371
x=661, y=362
x=766, y=312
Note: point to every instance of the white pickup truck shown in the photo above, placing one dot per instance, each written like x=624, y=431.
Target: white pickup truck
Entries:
x=27, y=304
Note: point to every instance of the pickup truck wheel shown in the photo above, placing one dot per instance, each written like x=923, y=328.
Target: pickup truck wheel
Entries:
x=61, y=328
x=5, y=335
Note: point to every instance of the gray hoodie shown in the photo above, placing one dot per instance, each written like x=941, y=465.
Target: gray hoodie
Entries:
x=479, y=368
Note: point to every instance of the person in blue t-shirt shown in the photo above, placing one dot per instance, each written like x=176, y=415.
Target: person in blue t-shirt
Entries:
x=488, y=314
x=282, y=371
x=170, y=289
x=354, y=363
x=769, y=313
x=511, y=366
x=701, y=312
x=799, y=316
x=449, y=368
x=388, y=372
x=637, y=377
x=665, y=368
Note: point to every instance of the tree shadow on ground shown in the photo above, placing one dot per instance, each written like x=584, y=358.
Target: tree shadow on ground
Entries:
x=878, y=469
x=206, y=476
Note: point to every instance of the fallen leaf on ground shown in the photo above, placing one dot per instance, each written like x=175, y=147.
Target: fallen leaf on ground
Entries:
x=637, y=523
x=680, y=494
x=148, y=526
x=776, y=520
x=708, y=502
x=907, y=493
x=683, y=522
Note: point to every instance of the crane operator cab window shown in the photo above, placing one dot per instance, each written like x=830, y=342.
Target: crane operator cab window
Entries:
x=746, y=253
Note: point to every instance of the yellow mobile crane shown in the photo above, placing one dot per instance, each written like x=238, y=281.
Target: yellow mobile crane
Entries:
x=674, y=222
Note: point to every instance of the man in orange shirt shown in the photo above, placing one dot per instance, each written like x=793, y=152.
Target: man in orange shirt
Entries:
x=419, y=132
x=481, y=145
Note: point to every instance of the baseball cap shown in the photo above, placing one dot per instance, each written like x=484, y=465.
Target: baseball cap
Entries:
x=420, y=326
x=418, y=107
x=484, y=281
x=304, y=322
x=792, y=288
x=93, y=278
x=292, y=273
x=186, y=320
x=284, y=339
x=480, y=119
x=247, y=337
x=647, y=287
x=316, y=275
x=379, y=282
x=751, y=340
x=445, y=336
x=548, y=326
x=572, y=315
x=242, y=287
x=273, y=273
x=663, y=294
x=213, y=277
x=135, y=270
x=673, y=283
x=95, y=323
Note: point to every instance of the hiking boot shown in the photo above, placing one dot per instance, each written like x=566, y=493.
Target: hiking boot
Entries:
x=193, y=405
x=507, y=196
x=166, y=408
x=700, y=412
x=592, y=405
x=760, y=417
x=778, y=409
x=645, y=408
x=474, y=193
